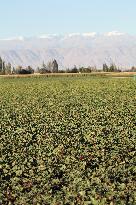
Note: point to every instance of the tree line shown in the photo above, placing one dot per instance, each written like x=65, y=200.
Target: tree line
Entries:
x=52, y=67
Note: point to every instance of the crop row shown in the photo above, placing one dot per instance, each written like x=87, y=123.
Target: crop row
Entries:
x=67, y=141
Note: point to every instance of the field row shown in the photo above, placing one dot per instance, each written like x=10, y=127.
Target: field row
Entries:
x=67, y=141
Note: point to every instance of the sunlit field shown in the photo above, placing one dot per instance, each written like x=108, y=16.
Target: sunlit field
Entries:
x=68, y=140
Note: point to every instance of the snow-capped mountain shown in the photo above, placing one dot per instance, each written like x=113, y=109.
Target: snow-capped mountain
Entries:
x=81, y=49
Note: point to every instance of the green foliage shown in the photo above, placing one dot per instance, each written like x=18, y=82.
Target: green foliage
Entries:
x=67, y=140
x=2, y=67
x=111, y=68
x=21, y=70
x=105, y=67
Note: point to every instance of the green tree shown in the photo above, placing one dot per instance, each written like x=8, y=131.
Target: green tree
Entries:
x=74, y=70
x=105, y=68
x=2, y=66
x=30, y=70
x=54, y=66
x=112, y=68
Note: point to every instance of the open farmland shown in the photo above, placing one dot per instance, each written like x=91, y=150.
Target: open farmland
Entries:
x=68, y=140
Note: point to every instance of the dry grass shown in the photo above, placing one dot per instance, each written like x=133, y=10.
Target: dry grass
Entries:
x=103, y=74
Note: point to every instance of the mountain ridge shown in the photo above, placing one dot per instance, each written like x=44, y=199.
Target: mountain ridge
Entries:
x=81, y=49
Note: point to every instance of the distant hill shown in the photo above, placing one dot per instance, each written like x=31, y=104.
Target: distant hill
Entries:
x=72, y=49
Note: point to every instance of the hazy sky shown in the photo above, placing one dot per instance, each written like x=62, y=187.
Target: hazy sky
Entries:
x=36, y=17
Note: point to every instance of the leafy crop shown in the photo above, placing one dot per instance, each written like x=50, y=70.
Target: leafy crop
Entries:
x=67, y=140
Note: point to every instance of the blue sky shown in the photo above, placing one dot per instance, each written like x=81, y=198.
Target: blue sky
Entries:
x=36, y=17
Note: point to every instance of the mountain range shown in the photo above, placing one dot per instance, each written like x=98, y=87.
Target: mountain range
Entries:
x=80, y=49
